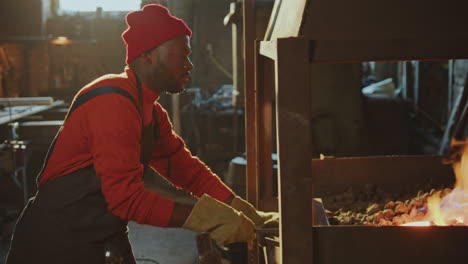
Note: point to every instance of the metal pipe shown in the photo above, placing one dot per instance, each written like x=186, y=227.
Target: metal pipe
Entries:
x=450, y=88
x=416, y=84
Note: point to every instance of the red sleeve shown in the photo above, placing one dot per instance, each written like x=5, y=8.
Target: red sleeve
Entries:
x=186, y=171
x=113, y=125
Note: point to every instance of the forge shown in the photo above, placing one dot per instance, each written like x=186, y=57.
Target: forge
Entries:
x=378, y=244
x=302, y=33
x=385, y=244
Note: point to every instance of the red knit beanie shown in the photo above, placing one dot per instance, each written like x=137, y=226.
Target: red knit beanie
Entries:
x=150, y=27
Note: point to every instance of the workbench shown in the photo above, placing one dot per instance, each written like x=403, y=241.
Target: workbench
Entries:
x=13, y=109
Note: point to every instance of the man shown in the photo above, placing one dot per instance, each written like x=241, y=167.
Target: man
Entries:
x=91, y=183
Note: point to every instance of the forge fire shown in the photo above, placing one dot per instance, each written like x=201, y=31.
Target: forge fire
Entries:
x=438, y=206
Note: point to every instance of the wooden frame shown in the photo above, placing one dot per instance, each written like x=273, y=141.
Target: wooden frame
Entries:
x=294, y=136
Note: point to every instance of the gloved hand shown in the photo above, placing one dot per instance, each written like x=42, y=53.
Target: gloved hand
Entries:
x=225, y=224
x=260, y=218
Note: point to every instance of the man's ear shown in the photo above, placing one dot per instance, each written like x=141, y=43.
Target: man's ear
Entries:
x=151, y=56
x=146, y=58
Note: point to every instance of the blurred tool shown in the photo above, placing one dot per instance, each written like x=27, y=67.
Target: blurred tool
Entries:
x=207, y=253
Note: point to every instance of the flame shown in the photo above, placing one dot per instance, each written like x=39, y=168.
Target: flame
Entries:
x=452, y=208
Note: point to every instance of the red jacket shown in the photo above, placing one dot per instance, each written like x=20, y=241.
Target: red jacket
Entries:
x=105, y=132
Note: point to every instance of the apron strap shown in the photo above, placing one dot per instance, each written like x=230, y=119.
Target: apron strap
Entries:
x=85, y=97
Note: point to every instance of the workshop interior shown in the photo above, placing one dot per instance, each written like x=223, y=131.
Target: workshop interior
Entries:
x=349, y=118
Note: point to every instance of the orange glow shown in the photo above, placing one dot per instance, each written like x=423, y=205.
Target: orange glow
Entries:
x=421, y=223
x=61, y=41
x=452, y=208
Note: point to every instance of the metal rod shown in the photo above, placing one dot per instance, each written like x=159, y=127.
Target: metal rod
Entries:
x=404, y=79
x=416, y=84
x=25, y=175
x=450, y=88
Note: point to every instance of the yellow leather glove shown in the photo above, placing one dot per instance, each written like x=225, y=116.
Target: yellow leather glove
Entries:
x=260, y=218
x=225, y=224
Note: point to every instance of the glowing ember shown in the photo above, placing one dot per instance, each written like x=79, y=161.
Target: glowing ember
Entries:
x=446, y=207
x=421, y=223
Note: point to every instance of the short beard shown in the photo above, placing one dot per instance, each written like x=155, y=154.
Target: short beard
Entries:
x=167, y=84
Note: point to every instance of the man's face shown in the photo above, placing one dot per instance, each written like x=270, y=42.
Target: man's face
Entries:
x=171, y=67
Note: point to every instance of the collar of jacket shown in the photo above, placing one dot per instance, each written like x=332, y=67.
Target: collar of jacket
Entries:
x=149, y=97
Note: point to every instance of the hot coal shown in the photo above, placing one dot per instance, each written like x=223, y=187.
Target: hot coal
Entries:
x=388, y=211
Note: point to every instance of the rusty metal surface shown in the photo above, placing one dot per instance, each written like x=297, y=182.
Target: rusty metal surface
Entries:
x=394, y=173
x=392, y=244
x=389, y=244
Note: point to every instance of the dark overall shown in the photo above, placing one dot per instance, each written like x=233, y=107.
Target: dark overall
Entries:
x=68, y=221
